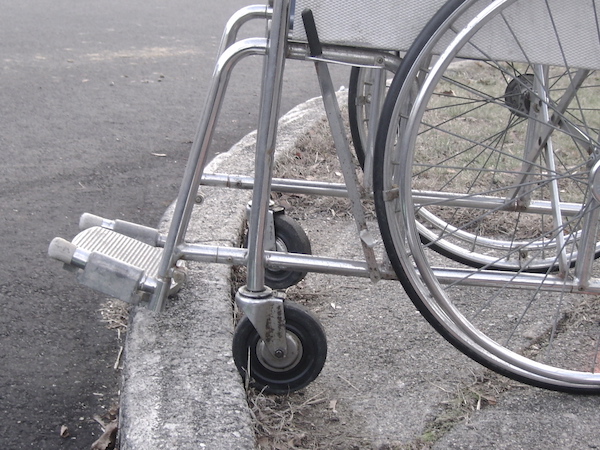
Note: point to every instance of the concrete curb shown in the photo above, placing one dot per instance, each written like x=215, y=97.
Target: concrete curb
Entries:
x=389, y=375
x=180, y=386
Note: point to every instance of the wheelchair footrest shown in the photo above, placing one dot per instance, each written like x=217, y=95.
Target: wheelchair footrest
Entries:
x=111, y=263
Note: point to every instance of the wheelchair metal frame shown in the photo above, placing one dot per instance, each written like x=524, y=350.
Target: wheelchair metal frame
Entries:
x=259, y=303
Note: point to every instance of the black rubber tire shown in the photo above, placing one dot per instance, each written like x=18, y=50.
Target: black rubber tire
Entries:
x=290, y=238
x=353, y=116
x=300, y=323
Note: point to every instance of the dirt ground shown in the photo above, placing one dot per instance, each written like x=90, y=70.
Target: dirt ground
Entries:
x=364, y=399
x=390, y=381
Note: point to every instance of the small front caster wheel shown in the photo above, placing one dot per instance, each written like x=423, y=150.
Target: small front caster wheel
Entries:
x=306, y=353
x=289, y=237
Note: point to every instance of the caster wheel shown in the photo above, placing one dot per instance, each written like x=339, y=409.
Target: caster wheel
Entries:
x=307, y=351
x=289, y=237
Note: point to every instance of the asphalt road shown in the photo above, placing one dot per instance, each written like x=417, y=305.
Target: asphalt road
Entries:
x=98, y=104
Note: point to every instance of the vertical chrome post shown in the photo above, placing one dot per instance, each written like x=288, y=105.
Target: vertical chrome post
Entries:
x=265, y=311
x=541, y=86
x=265, y=143
x=378, y=78
x=586, y=253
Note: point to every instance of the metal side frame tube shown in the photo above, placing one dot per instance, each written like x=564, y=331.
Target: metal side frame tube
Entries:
x=341, y=144
x=351, y=56
x=289, y=186
x=343, y=151
x=277, y=260
x=197, y=160
x=357, y=268
x=238, y=19
x=265, y=143
x=263, y=309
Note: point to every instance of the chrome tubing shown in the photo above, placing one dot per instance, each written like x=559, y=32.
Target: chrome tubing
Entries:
x=197, y=160
x=279, y=260
x=288, y=186
x=238, y=19
x=272, y=82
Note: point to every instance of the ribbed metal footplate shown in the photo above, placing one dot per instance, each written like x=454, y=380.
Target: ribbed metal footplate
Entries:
x=120, y=247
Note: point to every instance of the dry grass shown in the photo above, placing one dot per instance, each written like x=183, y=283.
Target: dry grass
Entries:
x=288, y=422
x=283, y=422
x=461, y=404
x=294, y=421
x=115, y=313
x=314, y=158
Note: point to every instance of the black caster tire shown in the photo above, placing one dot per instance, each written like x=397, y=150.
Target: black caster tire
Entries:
x=289, y=237
x=307, y=352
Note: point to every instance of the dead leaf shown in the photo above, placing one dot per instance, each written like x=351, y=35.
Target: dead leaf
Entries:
x=64, y=431
x=108, y=439
x=332, y=405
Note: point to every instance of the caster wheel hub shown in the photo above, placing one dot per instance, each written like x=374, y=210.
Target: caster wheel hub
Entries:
x=289, y=361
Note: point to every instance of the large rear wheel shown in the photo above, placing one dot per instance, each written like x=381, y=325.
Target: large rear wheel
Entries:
x=489, y=158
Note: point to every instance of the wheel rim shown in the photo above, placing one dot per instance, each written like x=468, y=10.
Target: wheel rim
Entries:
x=278, y=272
x=288, y=362
x=462, y=322
x=287, y=373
